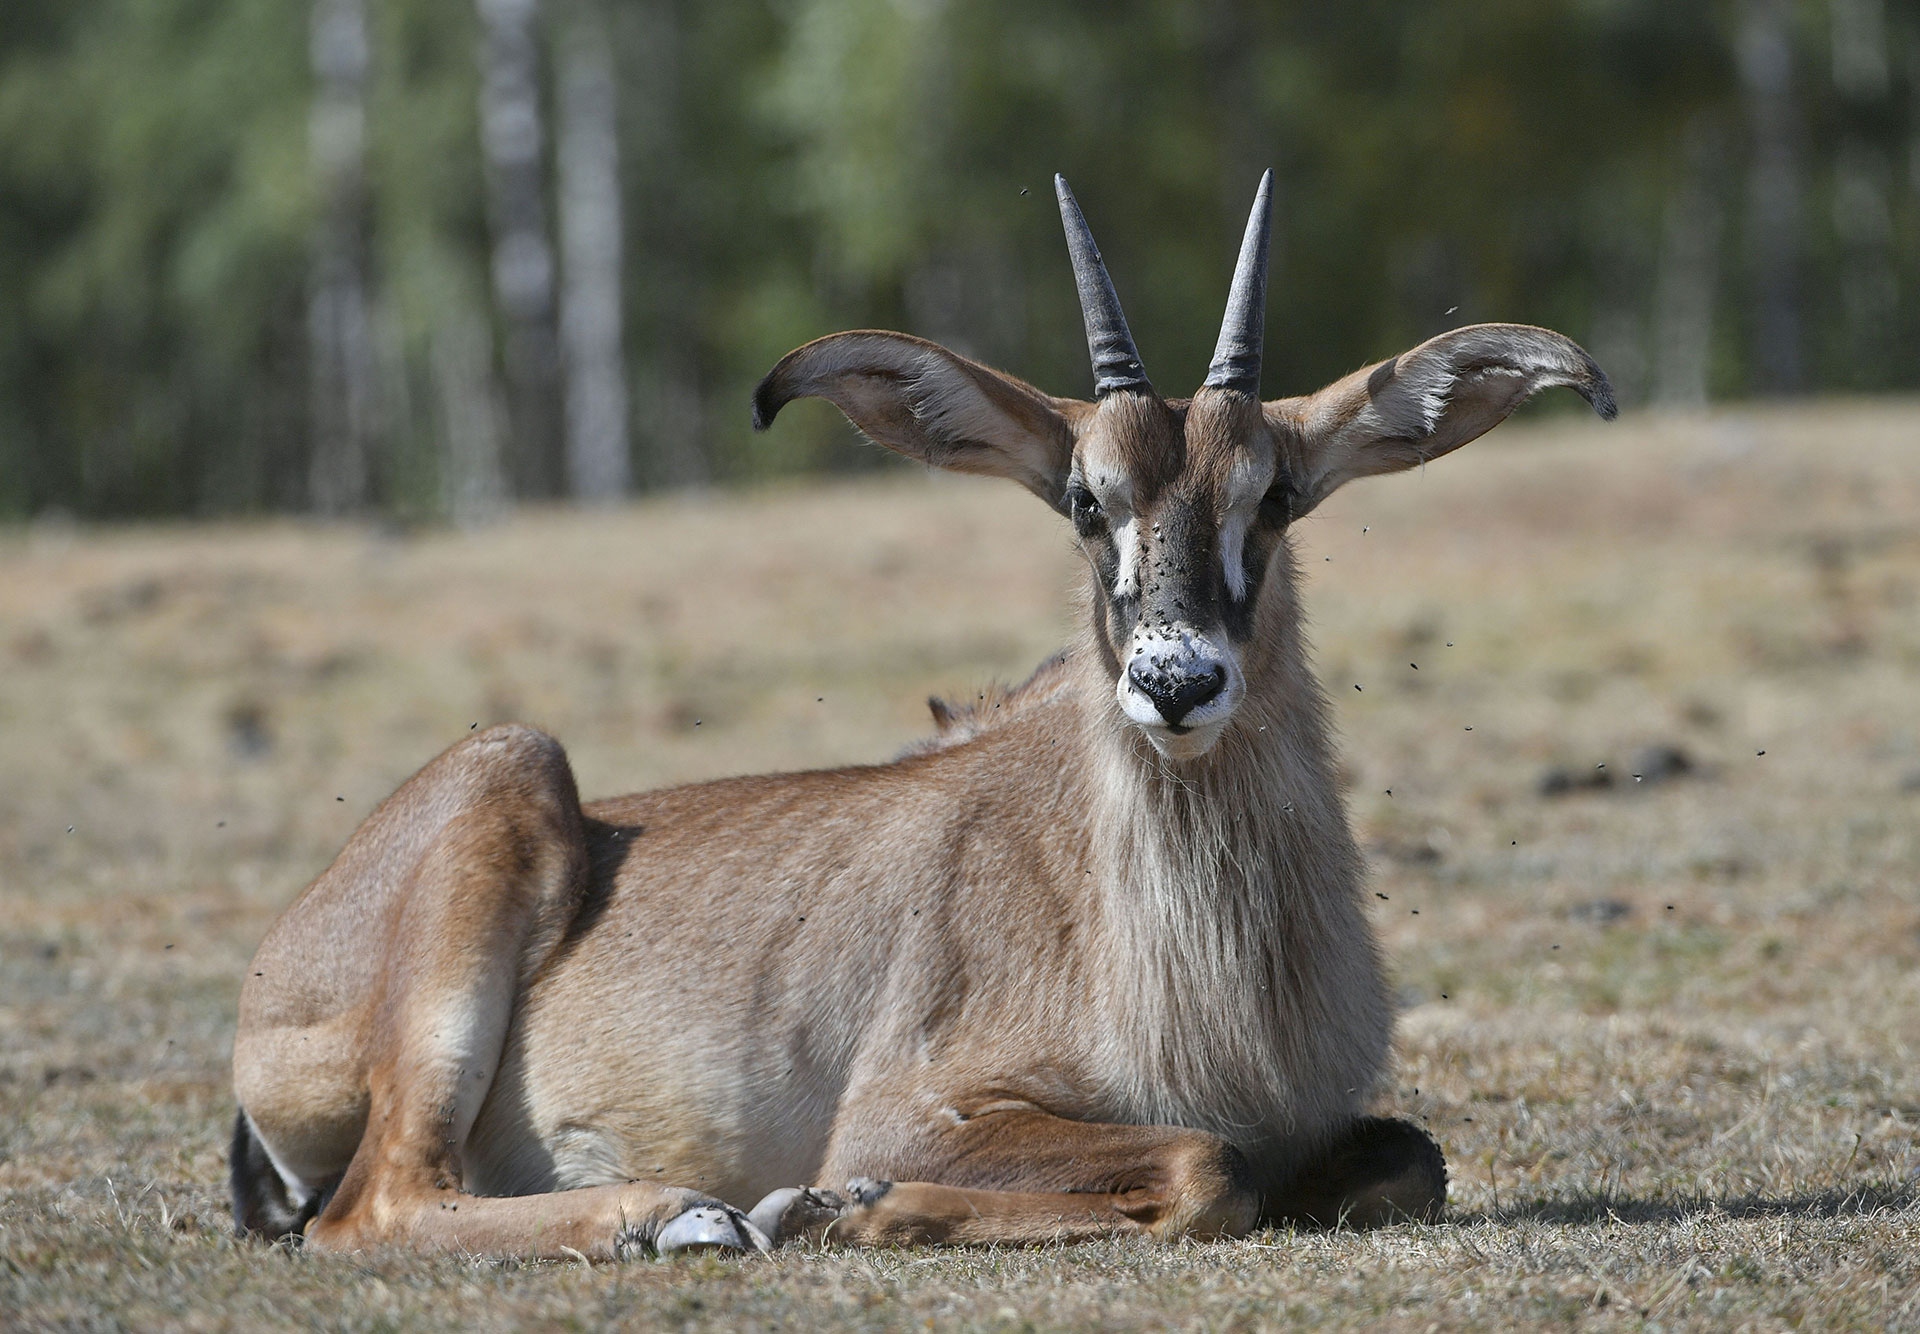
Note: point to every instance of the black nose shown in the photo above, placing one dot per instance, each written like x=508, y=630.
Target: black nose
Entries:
x=1176, y=687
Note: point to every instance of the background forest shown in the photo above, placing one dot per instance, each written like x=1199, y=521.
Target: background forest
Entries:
x=426, y=257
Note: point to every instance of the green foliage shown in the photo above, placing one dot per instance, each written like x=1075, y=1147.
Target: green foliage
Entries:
x=793, y=167
x=153, y=196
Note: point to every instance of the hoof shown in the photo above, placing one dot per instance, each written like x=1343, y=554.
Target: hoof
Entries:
x=710, y=1227
x=1384, y=1172
x=1408, y=1177
x=865, y=1190
x=793, y=1212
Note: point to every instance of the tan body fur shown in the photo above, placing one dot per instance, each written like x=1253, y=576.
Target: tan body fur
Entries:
x=804, y=977
x=1095, y=960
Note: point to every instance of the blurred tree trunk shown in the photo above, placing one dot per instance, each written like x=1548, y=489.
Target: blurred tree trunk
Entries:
x=472, y=478
x=1688, y=278
x=1617, y=334
x=1863, y=215
x=512, y=139
x=1774, y=193
x=673, y=427
x=343, y=376
x=935, y=283
x=599, y=466
x=1240, y=144
x=1861, y=67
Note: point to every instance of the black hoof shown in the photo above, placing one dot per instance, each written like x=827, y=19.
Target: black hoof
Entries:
x=1380, y=1173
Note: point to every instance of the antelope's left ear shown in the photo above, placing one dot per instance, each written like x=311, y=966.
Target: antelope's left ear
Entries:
x=1423, y=404
x=921, y=400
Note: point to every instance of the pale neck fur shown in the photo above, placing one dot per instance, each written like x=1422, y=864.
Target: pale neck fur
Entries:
x=1241, y=987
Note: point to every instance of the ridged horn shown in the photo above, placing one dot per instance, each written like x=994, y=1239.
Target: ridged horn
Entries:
x=1236, y=358
x=1116, y=361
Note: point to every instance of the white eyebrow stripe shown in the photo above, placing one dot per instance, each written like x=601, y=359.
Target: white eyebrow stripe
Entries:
x=1246, y=486
x=1249, y=482
x=1126, y=538
x=1233, y=546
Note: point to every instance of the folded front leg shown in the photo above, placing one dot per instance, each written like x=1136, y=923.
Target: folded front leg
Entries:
x=598, y=1222
x=1008, y=1173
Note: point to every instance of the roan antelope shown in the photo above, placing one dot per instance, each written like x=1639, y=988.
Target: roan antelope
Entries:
x=1094, y=962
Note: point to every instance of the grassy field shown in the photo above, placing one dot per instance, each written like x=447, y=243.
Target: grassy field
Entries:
x=1664, y=1026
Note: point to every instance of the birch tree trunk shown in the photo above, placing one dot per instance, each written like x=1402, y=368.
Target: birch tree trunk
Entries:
x=343, y=376
x=673, y=429
x=1774, y=189
x=1239, y=136
x=512, y=140
x=1689, y=273
x=599, y=466
x=1863, y=214
x=472, y=479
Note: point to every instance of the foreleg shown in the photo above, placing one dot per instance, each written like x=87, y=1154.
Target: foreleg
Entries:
x=1015, y=1174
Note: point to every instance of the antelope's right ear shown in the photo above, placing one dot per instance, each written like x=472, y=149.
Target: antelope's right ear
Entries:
x=919, y=399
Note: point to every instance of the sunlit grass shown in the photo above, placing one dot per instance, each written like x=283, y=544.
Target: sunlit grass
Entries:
x=1699, y=1109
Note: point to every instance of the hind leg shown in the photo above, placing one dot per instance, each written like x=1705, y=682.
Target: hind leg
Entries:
x=265, y=1203
x=311, y=1003
x=446, y=903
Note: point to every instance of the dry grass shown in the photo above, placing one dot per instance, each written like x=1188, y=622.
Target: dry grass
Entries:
x=1664, y=1030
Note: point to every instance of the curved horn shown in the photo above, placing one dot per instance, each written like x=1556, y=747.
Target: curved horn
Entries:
x=1116, y=361
x=1236, y=358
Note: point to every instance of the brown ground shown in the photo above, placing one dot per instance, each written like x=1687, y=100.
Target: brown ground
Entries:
x=1664, y=1029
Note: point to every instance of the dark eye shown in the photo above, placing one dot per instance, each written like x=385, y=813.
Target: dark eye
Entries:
x=1088, y=518
x=1276, y=508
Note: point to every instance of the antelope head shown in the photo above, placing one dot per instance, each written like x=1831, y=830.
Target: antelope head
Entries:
x=1181, y=506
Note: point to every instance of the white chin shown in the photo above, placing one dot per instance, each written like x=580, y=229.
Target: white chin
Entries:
x=1184, y=746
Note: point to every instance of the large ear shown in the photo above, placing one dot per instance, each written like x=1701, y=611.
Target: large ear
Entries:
x=1423, y=404
x=933, y=405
